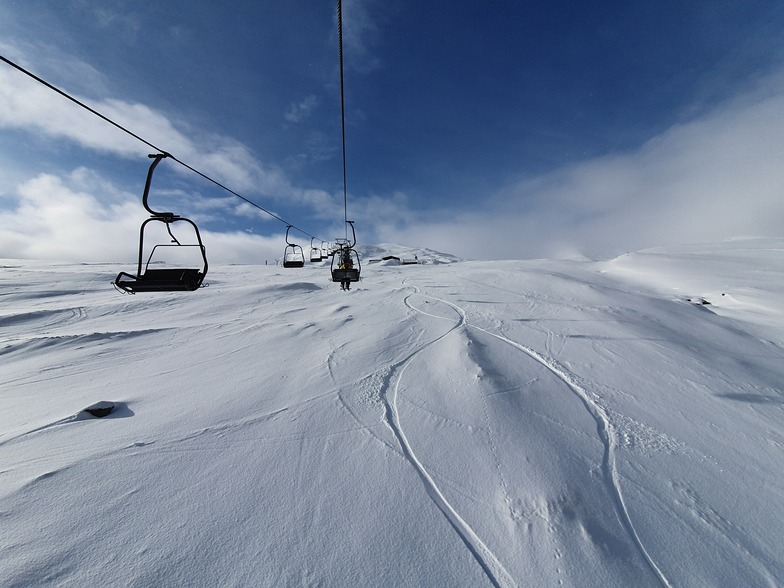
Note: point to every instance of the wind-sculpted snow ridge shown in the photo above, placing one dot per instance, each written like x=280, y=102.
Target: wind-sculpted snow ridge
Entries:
x=509, y=423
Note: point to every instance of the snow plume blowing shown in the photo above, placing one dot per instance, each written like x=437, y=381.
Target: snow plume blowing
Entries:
x=583, y=423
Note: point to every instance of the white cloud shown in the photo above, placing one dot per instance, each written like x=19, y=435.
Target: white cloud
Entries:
x=249, y=211
x=710, y=179
x=299, y=111
x=61, y=218
x=360, y=33
x=387, y=213
x=30, y=106
x=716, y=177
x=238, y=247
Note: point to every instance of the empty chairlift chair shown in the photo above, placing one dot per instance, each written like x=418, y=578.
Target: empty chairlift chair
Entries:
x=315, y=252
x=293, y=256
x=154, y=274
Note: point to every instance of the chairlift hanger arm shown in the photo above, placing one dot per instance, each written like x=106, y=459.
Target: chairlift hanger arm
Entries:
x=156, y=157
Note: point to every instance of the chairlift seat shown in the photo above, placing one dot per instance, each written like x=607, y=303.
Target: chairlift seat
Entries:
x=161, y=280
x=345, y=275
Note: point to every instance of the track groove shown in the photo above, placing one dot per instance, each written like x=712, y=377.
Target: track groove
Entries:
x=492, y=567
x=604, y=428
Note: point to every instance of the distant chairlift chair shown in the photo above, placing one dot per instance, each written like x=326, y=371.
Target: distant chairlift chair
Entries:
x=315, y=252
x=293, y=256
x=163, y=279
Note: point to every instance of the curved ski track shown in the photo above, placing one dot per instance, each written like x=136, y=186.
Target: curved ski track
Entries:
x=492, y=567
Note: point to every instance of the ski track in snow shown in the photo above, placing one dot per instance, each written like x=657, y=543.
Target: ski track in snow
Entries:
x=490, y=564
x=492, y=567
x=387, y=382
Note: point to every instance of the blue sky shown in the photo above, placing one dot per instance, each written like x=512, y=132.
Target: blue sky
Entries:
x=501, y=129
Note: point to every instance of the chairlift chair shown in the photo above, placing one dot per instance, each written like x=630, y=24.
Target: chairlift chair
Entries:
x=163, y=279
x=315, y=252
x=293, y=256
x=345, y=266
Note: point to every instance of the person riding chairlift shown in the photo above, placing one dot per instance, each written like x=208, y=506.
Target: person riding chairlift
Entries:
x=346, y=263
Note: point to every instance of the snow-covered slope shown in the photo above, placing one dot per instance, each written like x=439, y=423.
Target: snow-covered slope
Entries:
x=420, y=255
x=477, y=423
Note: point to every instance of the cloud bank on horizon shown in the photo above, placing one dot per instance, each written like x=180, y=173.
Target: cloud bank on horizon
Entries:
x=715, y=178
x=71, y=183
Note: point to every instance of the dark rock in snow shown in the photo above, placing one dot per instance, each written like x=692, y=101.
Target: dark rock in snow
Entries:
x=100, y=409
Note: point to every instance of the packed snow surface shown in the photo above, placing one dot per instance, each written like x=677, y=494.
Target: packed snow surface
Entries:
x=515, y=423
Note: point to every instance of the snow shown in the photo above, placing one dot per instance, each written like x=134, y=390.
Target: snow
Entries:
x=453, y=423
x=376, y=253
